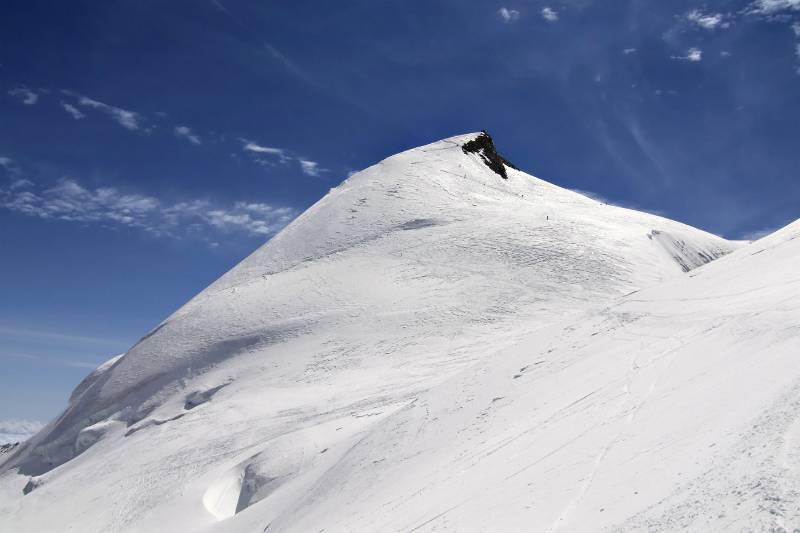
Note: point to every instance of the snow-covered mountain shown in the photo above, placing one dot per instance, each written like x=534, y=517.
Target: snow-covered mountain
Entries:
x=445, y=342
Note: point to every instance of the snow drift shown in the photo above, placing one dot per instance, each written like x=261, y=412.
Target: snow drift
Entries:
x=437, y=345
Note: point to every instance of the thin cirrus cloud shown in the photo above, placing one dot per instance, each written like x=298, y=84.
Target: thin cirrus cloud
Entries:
x=135, y=121
x=20, y=183
x=780, y=11
x=73, y=111
x=310, y=168
x=270, y=155
x=12, y=171
x=25, y=95
x=70, y=201
x=185, y=132
x=130, y=120
x=254, y=148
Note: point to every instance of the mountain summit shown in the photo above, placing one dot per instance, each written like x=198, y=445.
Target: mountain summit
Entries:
x=442, y=341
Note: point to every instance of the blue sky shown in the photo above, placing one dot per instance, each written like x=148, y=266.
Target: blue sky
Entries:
x=146, y=147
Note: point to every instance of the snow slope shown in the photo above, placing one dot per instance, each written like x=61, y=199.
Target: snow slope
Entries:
x=675, y=408
x=434, y=346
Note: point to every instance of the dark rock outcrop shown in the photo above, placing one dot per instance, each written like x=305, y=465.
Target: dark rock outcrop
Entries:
x=8, y=448
x=484, y=147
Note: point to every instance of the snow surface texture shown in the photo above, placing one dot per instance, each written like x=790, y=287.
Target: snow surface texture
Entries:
x=433, y=347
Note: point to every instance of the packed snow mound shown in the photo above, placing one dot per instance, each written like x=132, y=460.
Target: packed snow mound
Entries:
x=265, y=387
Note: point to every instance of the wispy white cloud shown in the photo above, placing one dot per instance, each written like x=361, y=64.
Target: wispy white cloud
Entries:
x=771, y=7
x=693, y=55
x=628, y=51
x=225, y=220
x=777, y=11
x=21, y=183
x=18, y=430
x=253, y=218
x=708, y=21
x=25, y=95
x=307, y=166
x=508, y=15
x=9, y=168
x=250, y=146
x=549, y=14
x=72, y=110
x=185, y=132
x=70, y=201
x=130, y=120
x=310, y=168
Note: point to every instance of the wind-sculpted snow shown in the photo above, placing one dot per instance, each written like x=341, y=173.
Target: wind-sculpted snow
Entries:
x=424, y=330
x=676, y=408
x=686, y=254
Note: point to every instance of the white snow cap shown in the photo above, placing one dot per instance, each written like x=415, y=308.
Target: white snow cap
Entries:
x=432, y=346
